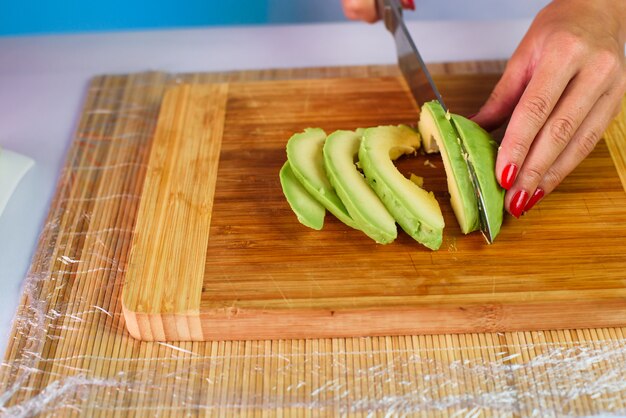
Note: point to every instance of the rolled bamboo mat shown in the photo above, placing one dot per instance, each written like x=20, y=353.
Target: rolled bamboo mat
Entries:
x=70, y=354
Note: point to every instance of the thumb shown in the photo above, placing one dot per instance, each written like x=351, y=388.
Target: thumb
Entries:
x=505, y=95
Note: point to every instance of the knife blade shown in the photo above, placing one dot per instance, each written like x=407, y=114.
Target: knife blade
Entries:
x=424, y=89
x=410, y=61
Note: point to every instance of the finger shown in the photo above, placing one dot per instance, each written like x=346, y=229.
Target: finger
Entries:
x=544, y=89
x=505, y=95
x=584, y=141
x=408, y=4
x=573, y=107
x=360, y=10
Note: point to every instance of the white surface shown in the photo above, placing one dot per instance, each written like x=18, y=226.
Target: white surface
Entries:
x=43, y=79
x=13, y=167
x=300, y=11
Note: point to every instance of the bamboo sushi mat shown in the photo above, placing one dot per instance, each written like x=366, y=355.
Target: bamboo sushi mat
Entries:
x=69, y=353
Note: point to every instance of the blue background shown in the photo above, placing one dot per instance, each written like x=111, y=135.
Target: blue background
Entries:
x=20, y=17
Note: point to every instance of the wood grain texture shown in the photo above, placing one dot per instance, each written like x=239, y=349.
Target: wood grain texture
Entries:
x=615, y=137
x=163, y=286
x=268, y=277
x=70, y=354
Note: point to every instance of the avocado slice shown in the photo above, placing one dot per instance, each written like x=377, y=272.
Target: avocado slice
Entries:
x=434, y=125
x=364, y=206
x=418, y=180
x=482, y=151
x=415, y=209
x=309, y=211
x=306, y=158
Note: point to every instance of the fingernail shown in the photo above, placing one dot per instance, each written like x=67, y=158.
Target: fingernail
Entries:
x=518, y=203
x=536, y=197
x=410, y=4
x=508, y=176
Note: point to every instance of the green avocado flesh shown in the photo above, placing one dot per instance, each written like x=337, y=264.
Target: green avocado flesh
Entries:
x=434, y=125
x=415, y=209
x=306, y=158
x=482, y=151
x=308, y=210
x=364, y=206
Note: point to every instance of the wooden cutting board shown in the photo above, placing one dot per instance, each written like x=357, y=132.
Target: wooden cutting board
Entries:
x=217, y=253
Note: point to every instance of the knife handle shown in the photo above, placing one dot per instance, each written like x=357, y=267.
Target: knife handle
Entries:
x=385, y=9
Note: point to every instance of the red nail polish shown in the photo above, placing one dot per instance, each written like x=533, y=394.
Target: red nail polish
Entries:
x=536, y=197
x=518, y=203
x=508, y=176
x=410, y=4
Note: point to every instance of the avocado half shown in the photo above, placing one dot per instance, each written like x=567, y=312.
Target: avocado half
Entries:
x=306, y=159
x=308, y=210
x=434, y=125
x=442, y=129
x=482, y=152
x=415, y=209
x=340, y=151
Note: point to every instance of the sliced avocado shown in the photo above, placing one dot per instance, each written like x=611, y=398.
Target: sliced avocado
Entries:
x=434, y=125
x=415, y=209
x=418, y=180
x=306, y=158
x=364, y=206
x=309, y=211
x=482, y=151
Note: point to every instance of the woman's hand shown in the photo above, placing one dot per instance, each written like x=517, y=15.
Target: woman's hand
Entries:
x=561, y=88
x=366, y=9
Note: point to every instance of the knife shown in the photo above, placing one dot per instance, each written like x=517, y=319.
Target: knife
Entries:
x=423, y=89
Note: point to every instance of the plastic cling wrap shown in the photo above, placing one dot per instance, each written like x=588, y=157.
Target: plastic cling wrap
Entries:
x=70, y=353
